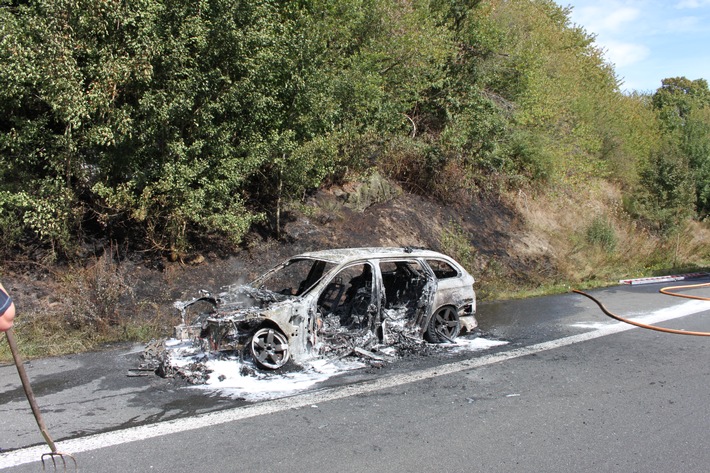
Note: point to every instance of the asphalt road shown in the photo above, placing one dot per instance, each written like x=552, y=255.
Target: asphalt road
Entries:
x=572, y=390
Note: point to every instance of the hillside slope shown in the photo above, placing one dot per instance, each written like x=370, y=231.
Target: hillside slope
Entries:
x=514, y=244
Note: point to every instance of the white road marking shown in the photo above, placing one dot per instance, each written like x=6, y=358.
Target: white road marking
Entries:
x=135, y=434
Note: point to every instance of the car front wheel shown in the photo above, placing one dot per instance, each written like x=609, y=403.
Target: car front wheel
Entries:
x=444, y=325
x=269, y=348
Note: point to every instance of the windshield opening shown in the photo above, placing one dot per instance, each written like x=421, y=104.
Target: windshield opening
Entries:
x=295, y=278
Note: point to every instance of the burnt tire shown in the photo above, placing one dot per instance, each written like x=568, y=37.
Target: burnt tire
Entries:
x=444, y=325
x=269, y=348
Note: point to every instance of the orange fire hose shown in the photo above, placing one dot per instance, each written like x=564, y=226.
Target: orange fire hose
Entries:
x=669, y=291
x=666, y=290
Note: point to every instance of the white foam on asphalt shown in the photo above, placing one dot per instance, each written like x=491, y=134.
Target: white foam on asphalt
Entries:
x=230, y=378
x=134, y=434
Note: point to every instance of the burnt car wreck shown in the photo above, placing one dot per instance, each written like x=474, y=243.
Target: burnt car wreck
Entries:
x=336, y=302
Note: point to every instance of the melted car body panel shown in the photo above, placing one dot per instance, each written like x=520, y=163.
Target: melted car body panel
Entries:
x=333, y=300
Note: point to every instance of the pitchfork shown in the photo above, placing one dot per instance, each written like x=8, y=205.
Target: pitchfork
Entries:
x=10, y=334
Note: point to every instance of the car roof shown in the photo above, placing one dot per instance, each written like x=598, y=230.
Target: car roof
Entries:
x=345, y=255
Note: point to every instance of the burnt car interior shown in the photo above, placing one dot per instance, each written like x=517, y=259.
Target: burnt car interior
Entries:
x=442, y=269
x=348, y=297
x=348, y=301
x=404, y=282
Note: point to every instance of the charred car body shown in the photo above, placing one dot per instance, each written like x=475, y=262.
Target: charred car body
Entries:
x=327, y=301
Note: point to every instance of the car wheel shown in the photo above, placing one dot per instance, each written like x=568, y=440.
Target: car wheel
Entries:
x=269, y=348
x=444, y=325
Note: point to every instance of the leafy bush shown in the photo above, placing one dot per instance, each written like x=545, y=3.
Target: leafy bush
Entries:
x=666, y=195
x=45, y=212
x=683, y=108
x=165, y=122
x=601, y=233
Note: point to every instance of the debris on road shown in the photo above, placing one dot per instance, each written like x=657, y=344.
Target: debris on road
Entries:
x=240, y=379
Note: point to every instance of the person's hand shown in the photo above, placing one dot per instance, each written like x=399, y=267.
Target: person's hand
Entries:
x=8, y=316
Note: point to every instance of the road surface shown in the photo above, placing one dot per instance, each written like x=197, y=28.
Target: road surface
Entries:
x=571, y=390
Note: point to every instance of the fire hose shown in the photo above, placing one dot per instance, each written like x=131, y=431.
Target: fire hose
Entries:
x=666, y=290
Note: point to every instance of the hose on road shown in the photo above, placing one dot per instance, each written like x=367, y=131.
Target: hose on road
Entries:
x=666, y=290
x=669, y=291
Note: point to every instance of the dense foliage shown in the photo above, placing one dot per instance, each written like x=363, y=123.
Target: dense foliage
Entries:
x=167, y=121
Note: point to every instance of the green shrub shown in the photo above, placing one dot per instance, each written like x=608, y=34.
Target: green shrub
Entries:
x=457, y=243
x=665, y=197
x=601, y=233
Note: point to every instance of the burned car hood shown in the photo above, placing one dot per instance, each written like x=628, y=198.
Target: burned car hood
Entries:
x=235, y=300
x=246, y=297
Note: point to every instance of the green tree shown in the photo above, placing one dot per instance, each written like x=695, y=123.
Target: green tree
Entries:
x=528, y=96
x=356, y=73
x=62, y=79
x=169, y=121
x=696, y=145
x=677, y=97
x=666, y=197
x=683, y=107
x=202, y=119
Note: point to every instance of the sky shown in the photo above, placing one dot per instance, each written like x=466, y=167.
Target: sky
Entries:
x=648, y=40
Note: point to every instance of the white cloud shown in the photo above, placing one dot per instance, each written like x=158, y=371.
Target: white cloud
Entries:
x=611, y=22
x=624, y=54
x=692, y=4
x=685, y=24
x=615, y=20
x=605, y=17
x=648, y=40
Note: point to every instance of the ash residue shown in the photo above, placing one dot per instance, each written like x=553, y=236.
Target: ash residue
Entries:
x=161, y=357
x=189, y=360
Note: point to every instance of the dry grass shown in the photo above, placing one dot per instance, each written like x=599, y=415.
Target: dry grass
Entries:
x=593, y=241
x=42, y=334
x=87, y=308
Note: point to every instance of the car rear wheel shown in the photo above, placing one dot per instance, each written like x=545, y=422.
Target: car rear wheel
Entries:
x=444, y=325
x=269, y=348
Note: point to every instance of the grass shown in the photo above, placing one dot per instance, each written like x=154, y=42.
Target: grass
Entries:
x=590, y=242
x=90, y=307
x=41, y=335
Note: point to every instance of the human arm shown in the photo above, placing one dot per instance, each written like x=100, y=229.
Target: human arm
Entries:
x=7, y=310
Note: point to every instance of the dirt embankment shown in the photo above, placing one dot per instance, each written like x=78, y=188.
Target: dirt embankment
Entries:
x=488, y=236
x=484, y=233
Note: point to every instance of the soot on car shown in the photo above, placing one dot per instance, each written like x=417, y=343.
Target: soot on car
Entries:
x=355, y=301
